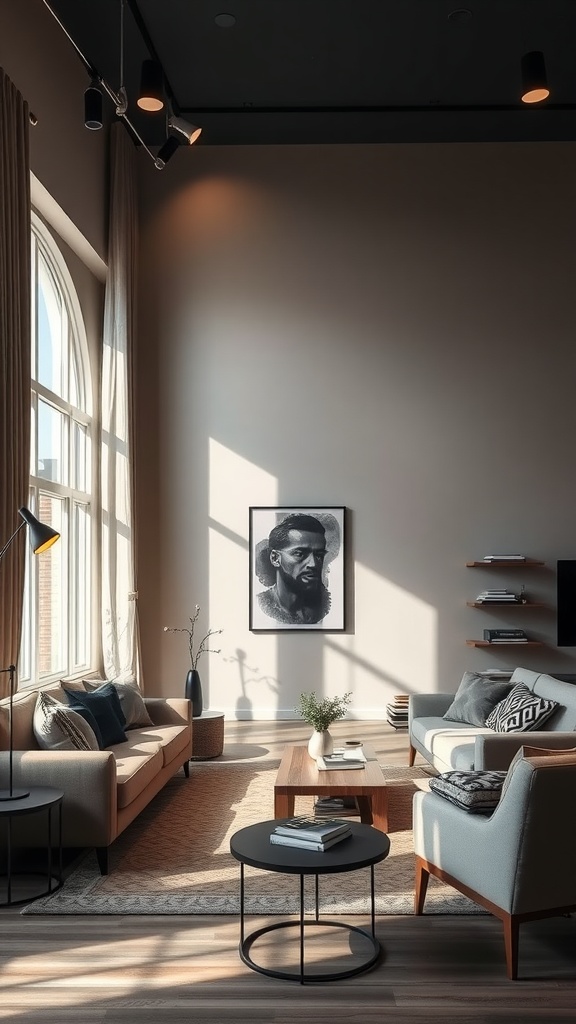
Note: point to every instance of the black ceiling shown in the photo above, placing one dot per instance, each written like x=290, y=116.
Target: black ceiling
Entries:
x=338, y=71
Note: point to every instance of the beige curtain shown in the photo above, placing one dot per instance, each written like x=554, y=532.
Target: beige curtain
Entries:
x=14, y=360
x=120, y=635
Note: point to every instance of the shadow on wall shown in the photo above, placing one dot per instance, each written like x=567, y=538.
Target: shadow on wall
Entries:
x=246, y=675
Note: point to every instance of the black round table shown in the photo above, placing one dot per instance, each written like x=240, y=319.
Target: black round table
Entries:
x=38, y=799
x=366, y=847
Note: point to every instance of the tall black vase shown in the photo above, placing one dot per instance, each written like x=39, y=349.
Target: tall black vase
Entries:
x=193, y=691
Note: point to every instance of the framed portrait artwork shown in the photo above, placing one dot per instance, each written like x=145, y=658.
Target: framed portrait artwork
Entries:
x=297, y=568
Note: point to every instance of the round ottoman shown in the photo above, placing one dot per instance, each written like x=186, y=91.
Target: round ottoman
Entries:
x=207, y=735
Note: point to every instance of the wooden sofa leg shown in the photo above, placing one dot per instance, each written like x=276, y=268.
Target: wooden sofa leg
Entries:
x=102, y=855
x=411, y=755
x=420, y=885
x=186, y=767
x=511, y=937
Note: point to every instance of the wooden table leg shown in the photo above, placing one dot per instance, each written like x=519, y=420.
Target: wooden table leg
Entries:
x=379, y=800
x=283, y=805
x=365, y=808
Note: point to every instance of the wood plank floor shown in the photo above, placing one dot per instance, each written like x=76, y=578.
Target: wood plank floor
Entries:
x=139, y=970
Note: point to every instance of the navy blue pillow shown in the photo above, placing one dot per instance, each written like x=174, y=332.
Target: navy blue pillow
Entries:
x=104, y=705
x=88, y=717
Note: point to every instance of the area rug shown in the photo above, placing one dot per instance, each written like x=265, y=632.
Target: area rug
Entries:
x=175, y=857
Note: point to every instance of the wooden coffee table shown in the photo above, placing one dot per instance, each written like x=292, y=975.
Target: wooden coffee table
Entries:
x=299, y=776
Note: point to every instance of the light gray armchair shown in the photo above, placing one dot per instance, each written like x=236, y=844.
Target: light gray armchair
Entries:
x=519, y=862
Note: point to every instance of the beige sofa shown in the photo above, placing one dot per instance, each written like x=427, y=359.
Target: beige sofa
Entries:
x=104, y=790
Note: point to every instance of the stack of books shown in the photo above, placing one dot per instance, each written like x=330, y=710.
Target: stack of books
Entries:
x=340, y=759
x=306, y=833
x=504, y=558
x=498, y=597
x=397, y=712
x=336, y=806
x=505, y=636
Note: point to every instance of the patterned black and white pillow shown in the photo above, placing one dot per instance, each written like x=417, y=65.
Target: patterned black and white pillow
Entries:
x=57, y=727
x=520, y=711
x=477, y=792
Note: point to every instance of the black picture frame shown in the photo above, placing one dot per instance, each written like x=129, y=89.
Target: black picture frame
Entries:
x=297, y=589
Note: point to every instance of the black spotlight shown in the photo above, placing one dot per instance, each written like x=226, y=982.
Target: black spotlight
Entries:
x=534, y=78
x=93, y=107
x=166, y=152
x=151, y=95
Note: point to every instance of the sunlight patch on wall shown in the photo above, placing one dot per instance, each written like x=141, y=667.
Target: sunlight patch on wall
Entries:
x=243, y=677
x=394, y=648
x=236, y=483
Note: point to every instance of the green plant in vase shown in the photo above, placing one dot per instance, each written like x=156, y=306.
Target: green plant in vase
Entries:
x=320, y=712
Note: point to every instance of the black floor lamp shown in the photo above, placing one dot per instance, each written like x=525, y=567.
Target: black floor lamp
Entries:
x=42, y=537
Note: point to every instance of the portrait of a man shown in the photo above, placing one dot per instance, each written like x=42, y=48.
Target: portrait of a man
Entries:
x=297, y=568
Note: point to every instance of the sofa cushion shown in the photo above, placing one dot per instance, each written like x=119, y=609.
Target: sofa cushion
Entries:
x=131, y=701
x=57, y=727
x=476, y=697
x=476, y=792
x=520, y=711
x=172, y=739
x=104, y=705
x=138, y=762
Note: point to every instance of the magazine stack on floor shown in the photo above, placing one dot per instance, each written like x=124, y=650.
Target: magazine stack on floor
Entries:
x=397, y=711
x=306, y=833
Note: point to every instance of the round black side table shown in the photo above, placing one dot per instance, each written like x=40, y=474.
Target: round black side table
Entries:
x=40, y=799
x=366, y=847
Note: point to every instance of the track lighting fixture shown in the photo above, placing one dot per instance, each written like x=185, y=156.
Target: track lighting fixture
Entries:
x=151, y=96
x=534, y=79
x=190, y=131
x=166, y=152
x=93, y=106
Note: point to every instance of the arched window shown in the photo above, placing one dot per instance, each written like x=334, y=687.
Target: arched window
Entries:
x=56, y=635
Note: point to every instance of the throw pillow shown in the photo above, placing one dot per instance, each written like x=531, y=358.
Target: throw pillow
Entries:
x=520, y=711
x=476, y=792
x=131, y=701
x=475, y=698
x=569, y=752
x=104, y=706
x=58, y=727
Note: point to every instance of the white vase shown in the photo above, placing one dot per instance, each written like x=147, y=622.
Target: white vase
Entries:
x=320, y=743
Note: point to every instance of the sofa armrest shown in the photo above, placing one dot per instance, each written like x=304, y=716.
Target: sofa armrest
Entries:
x=428, y=705
x=169, y=710
x=494, y=751
x=88, y=780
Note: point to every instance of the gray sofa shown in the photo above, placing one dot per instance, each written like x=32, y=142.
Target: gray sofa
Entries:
x=451, y=745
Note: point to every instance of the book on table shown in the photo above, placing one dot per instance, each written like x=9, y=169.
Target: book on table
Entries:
x=306, y=827
x=314, y=845
x=353, y=757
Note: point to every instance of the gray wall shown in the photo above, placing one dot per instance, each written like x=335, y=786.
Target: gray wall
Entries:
x=69, y=160
x=389, y=328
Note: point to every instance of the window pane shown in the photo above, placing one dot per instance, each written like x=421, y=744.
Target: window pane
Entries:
x=51, y=577
x=80, y=605
x=51, y=322
x=81, y=473
x=52, y=464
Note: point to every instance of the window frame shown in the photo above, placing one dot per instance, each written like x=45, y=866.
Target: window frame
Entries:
x=77, y=419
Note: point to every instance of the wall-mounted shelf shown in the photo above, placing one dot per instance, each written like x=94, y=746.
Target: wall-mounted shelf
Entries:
x=528, y=563
x=504, y=604
x=489, y=643
x=498, y=606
